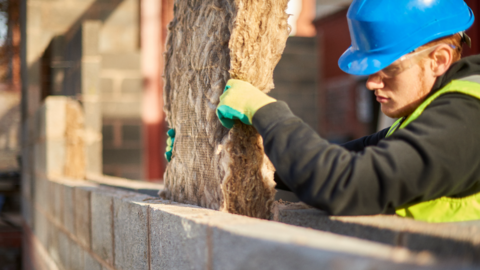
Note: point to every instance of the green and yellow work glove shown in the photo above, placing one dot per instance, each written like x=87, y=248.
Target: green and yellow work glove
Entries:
x=170, y=141
x=240, y=101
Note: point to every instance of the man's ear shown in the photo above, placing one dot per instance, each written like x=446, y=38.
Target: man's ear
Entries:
x=442, y=59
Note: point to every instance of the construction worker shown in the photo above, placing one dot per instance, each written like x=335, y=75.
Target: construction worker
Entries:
x=427, y=165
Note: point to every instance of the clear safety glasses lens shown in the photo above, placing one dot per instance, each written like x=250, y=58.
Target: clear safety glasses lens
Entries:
x=405, y=62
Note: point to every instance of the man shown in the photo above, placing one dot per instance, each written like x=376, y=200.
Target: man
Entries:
x=427, y=165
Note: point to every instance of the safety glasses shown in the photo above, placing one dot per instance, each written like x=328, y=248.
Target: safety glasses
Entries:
x=405, y=62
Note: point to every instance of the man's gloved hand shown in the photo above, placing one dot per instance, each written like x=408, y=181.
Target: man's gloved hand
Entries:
x=170, y=141
x=240, y=101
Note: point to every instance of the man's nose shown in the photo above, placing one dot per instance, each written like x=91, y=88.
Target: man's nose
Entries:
x=374, y=82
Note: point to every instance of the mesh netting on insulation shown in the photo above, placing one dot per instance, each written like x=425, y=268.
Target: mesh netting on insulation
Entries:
x=209, y=42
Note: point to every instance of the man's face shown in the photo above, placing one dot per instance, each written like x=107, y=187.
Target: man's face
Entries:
x=403, y=86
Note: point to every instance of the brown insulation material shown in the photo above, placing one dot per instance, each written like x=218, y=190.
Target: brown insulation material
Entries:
x=209, y=42
x=74, y=141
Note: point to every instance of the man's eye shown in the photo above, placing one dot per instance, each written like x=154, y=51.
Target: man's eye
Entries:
x=391, y=69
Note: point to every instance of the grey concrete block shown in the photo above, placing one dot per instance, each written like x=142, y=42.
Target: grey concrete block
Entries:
x=90, y=263
x=55, y=156
x=102, y=225
x=55, y=122
x=82, y=215
x=131, y=233
x=177, y=242
x=41, y=195
x=121, y=61
x=58, y=195
x=64, y=250
x=51, y=202
x=93, y=155
x=90, y=37
x=53, y=247
x=132, y=86
x=69, y=208
x=93, y=117
x=40, y=157
x=27, y=213
x=39, y=125
x=26, y=178
x=121, y=108
x=249, y=246
x=90, y=76
x=41, y=227
x=106, y=86
x=77, y=257
x=319, y=220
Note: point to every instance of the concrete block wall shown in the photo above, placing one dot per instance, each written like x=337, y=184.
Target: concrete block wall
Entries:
x=458, y=241
x=83, y=224
x=89, y=49
x=105, y=228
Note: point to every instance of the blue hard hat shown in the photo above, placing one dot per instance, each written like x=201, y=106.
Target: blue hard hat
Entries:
x=382, y=31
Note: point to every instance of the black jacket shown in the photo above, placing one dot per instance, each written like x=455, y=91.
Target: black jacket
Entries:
x=436, y=155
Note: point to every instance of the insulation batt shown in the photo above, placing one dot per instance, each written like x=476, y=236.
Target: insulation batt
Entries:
x=209, y=42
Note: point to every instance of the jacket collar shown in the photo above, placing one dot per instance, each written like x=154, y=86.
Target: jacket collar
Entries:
x=465, y=67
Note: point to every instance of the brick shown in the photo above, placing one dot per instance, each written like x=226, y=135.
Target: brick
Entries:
x=82, y=215
x=90, y=263
x=102, y=225
x=69, y=208
x=131, y=249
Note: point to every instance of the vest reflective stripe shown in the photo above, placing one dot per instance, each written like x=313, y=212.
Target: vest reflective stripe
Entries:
x=444, y=209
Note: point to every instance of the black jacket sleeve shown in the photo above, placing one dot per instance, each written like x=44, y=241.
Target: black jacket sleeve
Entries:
x=371, y=140
x=435, y=155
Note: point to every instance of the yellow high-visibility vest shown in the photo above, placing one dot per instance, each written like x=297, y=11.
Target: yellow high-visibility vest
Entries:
x=444, y=209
